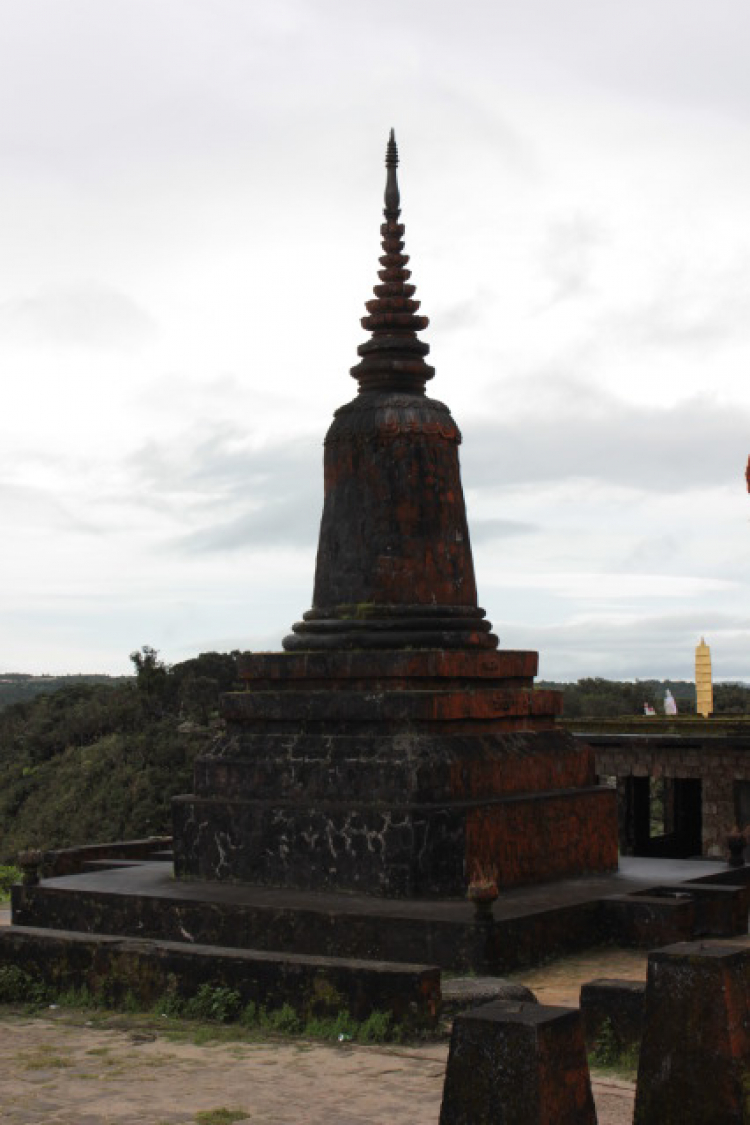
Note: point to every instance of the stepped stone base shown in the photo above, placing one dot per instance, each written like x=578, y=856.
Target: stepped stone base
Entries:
x=400, y=774
x=145, y=901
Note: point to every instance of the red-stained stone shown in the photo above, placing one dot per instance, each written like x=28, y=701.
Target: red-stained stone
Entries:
x=543, y=836
x=388, y=706
x=517, y=1064
x=695, y=1052
x=337, y=666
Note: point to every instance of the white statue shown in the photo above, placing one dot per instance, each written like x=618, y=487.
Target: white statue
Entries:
x=670, y=707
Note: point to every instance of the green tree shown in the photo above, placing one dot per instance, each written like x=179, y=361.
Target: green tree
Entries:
x=151, y=674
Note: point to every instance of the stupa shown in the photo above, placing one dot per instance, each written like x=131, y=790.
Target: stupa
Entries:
x=704, y=690
x=392, y=748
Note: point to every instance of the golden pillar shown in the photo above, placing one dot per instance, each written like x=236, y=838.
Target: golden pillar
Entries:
x=703, y=684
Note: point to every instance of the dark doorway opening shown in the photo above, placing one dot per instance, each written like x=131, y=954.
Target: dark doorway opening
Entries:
x=661, y=816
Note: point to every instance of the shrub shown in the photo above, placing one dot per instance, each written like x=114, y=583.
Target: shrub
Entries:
x=606, y=1045
x=376, y=1028
x=19, y=987
x=76, y=998
x=283, y=1020
x=341, y=1026
x=169, y=1004
x=9, y=875
x=221, y=1004
x=250, y=1016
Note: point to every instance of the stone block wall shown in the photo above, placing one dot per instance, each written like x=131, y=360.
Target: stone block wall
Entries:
x=718, y=762
x=542, y=837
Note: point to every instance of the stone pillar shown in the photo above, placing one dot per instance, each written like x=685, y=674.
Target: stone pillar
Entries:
x=718, y=808
x=694, y=1064
x=633, y=814
x=520, y=1064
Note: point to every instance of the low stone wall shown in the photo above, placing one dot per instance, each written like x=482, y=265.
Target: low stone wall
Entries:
x=312, y=986
x=666, y=914
x=70, y=861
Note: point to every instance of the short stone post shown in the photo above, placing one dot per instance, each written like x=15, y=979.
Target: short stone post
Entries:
x=694, y=1064
x=30, y=862
x=616, y=1004
x=517, y=1064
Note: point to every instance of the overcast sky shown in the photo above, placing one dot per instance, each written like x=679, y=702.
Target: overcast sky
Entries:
x=189, y=227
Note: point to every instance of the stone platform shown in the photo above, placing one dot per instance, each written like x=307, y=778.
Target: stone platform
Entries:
x=397, y=773
x=529, y=925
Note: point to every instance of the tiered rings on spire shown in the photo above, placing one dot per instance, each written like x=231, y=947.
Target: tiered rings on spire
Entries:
x=393, y=358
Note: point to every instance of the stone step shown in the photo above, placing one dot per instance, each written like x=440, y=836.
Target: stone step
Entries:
x=348, y=668
x=401, y=706
x=149, y=903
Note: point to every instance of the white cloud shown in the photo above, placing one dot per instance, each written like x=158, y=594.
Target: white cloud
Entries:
x=91, y=316
x=572, y=430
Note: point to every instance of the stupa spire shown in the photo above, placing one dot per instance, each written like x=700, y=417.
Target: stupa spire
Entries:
x=394, y=567
x=394, y=358
x=392, y=194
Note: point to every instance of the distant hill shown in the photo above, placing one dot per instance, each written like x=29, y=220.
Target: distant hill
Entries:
x=100, y=758
x=16, y=687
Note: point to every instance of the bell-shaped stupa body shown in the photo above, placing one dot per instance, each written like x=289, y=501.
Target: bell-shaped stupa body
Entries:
x=394, y=566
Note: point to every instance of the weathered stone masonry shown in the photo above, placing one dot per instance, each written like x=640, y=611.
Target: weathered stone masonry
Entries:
x=707, y=788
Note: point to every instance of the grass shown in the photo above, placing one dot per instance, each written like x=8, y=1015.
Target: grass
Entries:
x=610, y=1057
x=624, y=1067
x=221, y=1116
x=42, y=1058
x=212, y=1014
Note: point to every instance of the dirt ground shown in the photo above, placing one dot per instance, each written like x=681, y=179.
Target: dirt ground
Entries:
x=66, y=1069
x=64, y=1074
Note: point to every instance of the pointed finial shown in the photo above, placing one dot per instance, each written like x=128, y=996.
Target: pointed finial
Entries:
x=392, y=196
x=391, y=153
x=394, y=358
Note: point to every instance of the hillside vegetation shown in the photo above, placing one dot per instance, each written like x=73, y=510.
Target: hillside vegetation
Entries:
x=595, y=698
x=18, y=687
x=101, y=761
